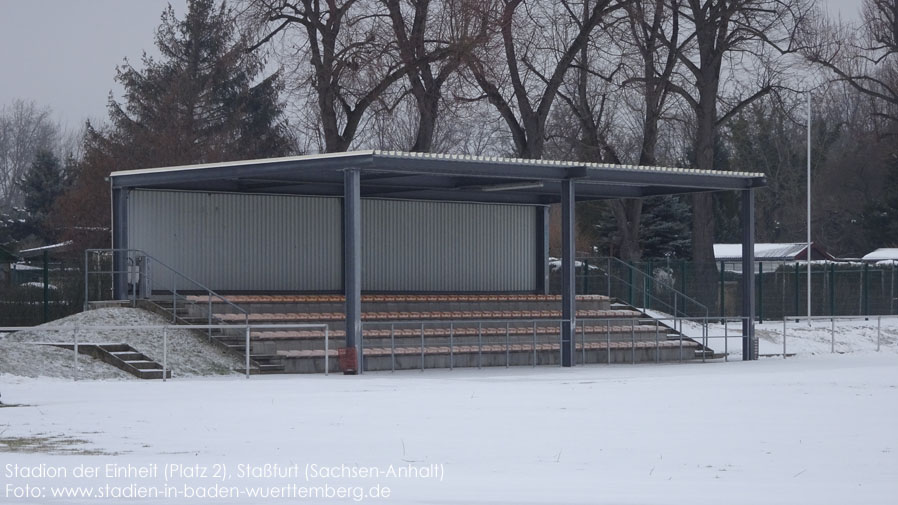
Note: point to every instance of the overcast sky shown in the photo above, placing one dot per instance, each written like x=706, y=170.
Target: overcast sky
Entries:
x=63, y=53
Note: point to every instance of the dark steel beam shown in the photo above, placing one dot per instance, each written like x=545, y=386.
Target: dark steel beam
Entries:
x=568, y=286
x=352, y=260
x=542, y=250
x=748, y=274
x=120, y=241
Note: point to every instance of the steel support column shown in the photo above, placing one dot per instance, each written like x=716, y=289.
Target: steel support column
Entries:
x=568, y=284
x=120, y=241
x=542, y=250
x=352, y=258
x=748, y=274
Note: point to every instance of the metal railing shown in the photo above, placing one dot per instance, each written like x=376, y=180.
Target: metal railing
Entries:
x=638, y=288
x=247, y=329
x=138, y=269
x=505, y=337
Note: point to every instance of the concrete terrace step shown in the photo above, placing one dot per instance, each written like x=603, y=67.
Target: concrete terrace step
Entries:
x=491, y=348
x=445, y=331
x=447, y=316
x=392, y=298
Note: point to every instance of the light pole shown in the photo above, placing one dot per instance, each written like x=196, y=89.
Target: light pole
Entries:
x=809, y=208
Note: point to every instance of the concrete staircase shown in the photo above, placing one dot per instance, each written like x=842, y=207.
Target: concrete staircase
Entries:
x=444, y=331
x=121, y=356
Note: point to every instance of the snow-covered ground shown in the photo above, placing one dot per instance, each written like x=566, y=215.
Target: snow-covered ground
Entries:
x=189, y=352
x=841, y=335
x=811, y=429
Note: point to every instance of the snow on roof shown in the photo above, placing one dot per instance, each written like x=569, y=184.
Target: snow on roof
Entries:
x=46, y=247
x=883, y=253
x=762, y=251
x=435, y=156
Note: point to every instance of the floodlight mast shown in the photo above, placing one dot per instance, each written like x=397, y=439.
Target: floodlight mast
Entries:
x=809, y=209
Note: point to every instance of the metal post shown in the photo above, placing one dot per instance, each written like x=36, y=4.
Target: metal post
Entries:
x=726, y=342
x=832, y=289
x=632, y=341
x=809, y=255
x=583, y=342
x=352, y=258
x=422, y=347
x=119, y=243
x=568, y=284
x=86, y=278
x=832, y=347
x=534, y=343
x=164, y=352
x=760, y=291
x=46, y=270
x=393, y=349
x=657, y=350
x=704, y=340
x=722, y=290
x=327, y=351
x=681, y=345
x=797, y=288
x=210, y=316
x=630, y=283
x=479, y=344
x=451, y=351
x=748, y=269
x=865, y=285
x=608, y=334
x=247, y=349
x=784, y=337
x=75, y=339
x=878, y=331
x=507, y=352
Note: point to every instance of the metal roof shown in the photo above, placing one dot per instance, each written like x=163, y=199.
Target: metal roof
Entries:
x=769, y=251
x=391, y=174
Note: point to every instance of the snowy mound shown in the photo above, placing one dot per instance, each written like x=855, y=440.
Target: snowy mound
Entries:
x=189, y=351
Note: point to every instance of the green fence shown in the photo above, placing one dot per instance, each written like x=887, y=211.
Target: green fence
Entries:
x=837, y=288
x=39, y=290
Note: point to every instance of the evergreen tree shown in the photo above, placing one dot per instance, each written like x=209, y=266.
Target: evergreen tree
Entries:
x=666, y=228
x=44, y=182
x=40, y=186
x=202, y=101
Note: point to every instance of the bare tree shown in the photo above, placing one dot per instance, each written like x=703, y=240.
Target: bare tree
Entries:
x=730, y=60
x=25, y=129
x=539, y=42
x=432, y=42
x=347, y=54
x=866, y=59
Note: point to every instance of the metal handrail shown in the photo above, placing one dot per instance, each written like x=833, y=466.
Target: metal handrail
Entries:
x=655, y=281
x=170, y=269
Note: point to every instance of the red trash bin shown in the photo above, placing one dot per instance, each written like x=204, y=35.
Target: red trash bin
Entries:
x=349, y=361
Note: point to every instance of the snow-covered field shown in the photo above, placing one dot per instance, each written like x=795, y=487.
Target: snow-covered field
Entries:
x=811, y=429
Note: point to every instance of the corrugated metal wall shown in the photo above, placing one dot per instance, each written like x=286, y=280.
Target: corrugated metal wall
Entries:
x=266, y=242
x=240, y=242
x=442, y=246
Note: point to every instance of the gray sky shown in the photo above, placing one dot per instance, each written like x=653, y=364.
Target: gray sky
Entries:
x=63, y=53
